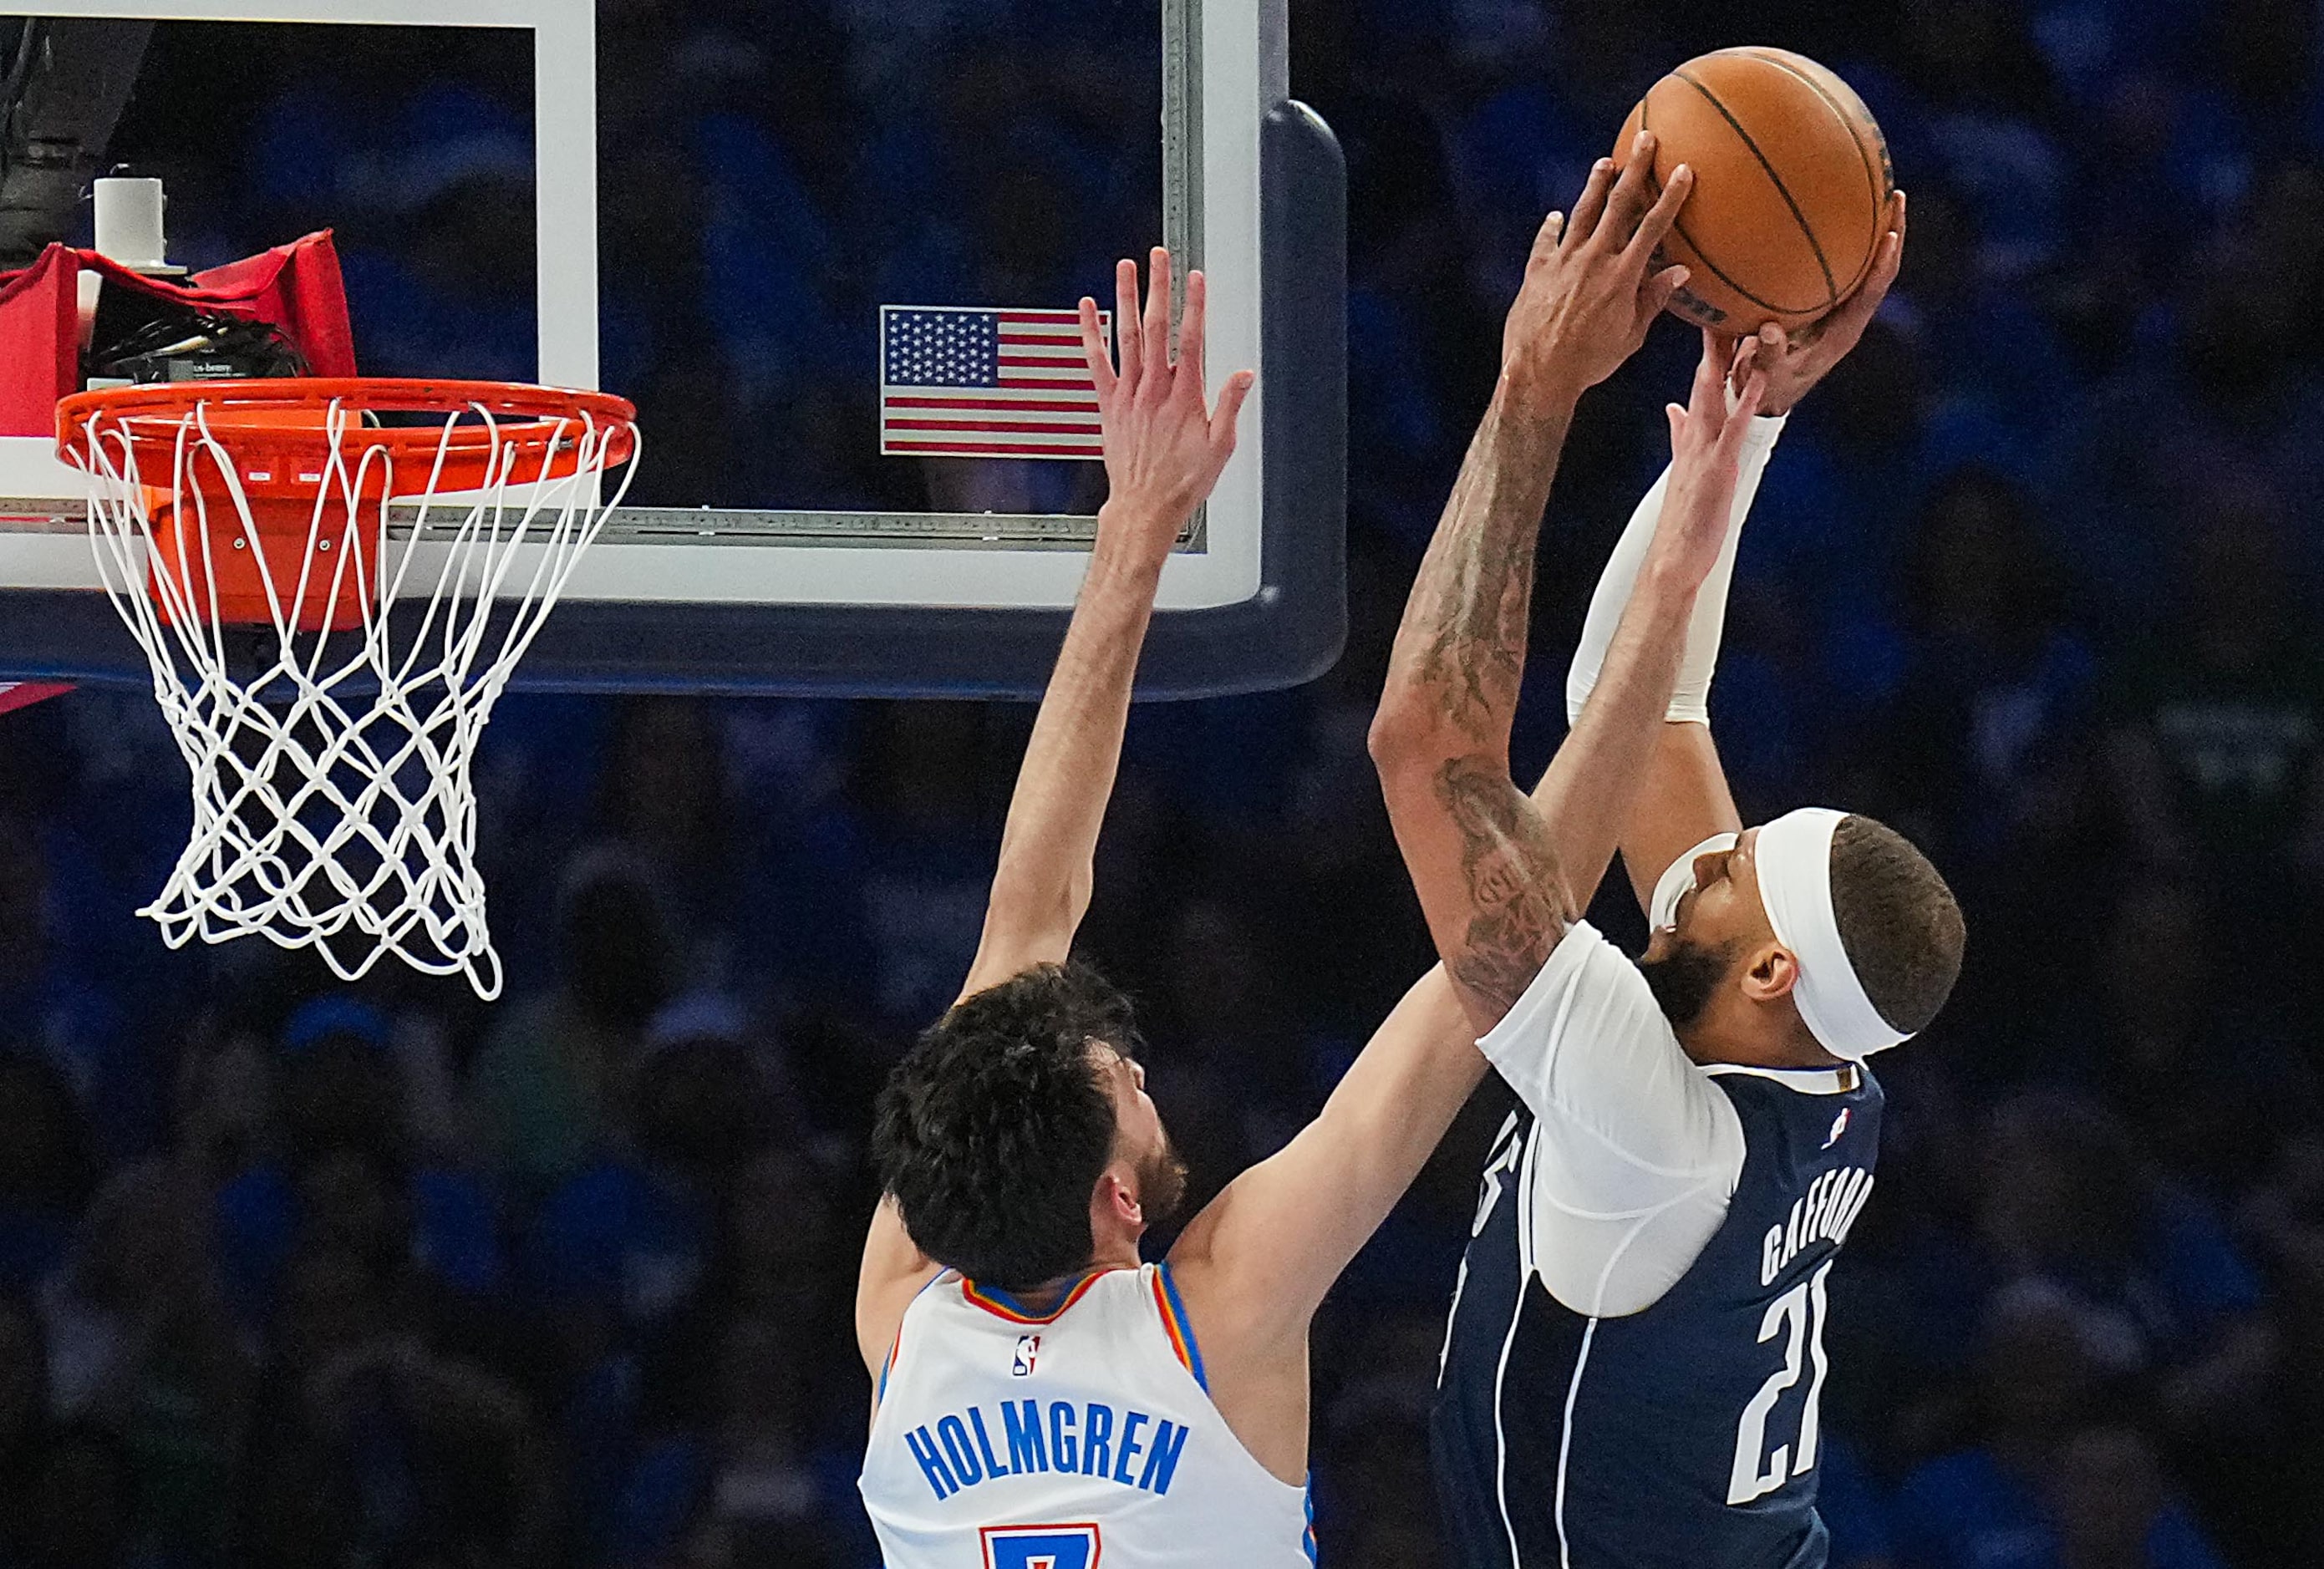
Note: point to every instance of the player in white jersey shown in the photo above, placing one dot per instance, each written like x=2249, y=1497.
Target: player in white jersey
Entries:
x=1056, y=1433
x=1044, y=1396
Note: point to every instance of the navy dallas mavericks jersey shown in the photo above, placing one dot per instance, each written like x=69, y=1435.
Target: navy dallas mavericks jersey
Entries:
x=1683, y=1437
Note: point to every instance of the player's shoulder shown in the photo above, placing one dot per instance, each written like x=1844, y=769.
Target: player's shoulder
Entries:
x=1588, y=988
x=1801, y=1115
x=1207, y=1281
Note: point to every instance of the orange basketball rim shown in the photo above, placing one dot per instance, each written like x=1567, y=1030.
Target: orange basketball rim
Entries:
x=249, y=487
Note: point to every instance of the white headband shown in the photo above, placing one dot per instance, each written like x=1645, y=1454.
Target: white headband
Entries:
x=1793, y=857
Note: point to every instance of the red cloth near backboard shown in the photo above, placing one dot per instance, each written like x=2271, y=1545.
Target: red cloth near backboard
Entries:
x=39, y=329
x=16, y=694
x=296, y=287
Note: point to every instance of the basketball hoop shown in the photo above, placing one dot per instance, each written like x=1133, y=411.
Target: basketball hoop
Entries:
x=332, y=581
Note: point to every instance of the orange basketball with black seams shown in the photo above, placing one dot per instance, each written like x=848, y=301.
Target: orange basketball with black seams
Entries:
x=1792, y=186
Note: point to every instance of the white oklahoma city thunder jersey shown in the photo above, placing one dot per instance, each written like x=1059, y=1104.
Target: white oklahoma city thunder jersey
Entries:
x=1014, y=1440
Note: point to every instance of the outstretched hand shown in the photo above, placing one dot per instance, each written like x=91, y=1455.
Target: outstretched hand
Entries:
x=1707, y=439
x=1164, y=445
x=1794, y=362
x=1590, y=287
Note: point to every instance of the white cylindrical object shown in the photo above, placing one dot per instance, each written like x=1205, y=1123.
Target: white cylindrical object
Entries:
x=129, y=223
x=90, y=288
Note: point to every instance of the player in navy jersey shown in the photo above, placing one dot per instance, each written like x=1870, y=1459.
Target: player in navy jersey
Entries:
x=1632, y=1374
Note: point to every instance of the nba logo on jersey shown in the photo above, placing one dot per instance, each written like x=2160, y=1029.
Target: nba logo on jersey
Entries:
x=1838, y=1126
x=1040, y=1546
x=1029, y=1347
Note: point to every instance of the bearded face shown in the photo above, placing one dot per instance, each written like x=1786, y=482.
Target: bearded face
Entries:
x=1684, y=978
x=1162, y=1183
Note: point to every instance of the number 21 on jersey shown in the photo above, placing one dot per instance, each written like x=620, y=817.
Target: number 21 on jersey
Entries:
x=1798, y=1317
x=1040, y=1546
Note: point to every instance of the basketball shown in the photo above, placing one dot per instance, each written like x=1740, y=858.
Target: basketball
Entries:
x=1792, y=183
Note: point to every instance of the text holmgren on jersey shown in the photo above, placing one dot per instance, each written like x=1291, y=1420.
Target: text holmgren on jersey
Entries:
x=1048, y=1437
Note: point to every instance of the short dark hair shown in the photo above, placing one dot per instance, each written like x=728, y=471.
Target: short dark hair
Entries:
x=1898, y=922
x=992, y=1131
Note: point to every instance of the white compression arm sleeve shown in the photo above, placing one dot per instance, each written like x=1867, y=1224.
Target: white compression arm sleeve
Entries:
x=1691, y=697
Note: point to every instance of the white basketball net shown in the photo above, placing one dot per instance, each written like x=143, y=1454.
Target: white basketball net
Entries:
x=331, y=793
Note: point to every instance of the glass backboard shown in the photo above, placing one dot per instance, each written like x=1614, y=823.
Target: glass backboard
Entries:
x=736, y=213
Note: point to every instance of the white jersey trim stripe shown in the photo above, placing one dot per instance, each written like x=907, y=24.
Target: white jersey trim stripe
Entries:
x=1845, y=1080
x=1565, y=1443
x=1501, y=1438
x=1521, y=1194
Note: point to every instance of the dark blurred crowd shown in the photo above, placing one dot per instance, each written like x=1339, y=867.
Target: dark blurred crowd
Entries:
x=298, y=1274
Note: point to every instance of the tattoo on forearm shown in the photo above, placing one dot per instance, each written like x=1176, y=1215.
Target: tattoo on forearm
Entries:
x=1474, y=595
x=1460, y=655
x=1518, y=905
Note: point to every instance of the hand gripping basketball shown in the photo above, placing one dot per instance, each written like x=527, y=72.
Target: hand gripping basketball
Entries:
x=1795, y=362
x=1591, y=289
x=1165, y=446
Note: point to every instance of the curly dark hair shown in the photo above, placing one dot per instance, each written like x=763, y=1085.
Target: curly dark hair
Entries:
x=993, y=1130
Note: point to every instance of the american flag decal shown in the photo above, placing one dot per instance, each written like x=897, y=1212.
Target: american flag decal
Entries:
x=965, y=382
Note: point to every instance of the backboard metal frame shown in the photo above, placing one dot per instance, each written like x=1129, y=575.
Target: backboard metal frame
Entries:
x=963, y=604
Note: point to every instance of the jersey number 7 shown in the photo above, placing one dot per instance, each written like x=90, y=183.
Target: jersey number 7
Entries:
x=1040, y=1546
x=1756, y=1472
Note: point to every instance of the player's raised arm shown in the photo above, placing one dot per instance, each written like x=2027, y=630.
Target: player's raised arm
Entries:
x=1592, y=789
x=1255, y=1264
x=1685, y=798
x=1491, y=884
x=1164, y=448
